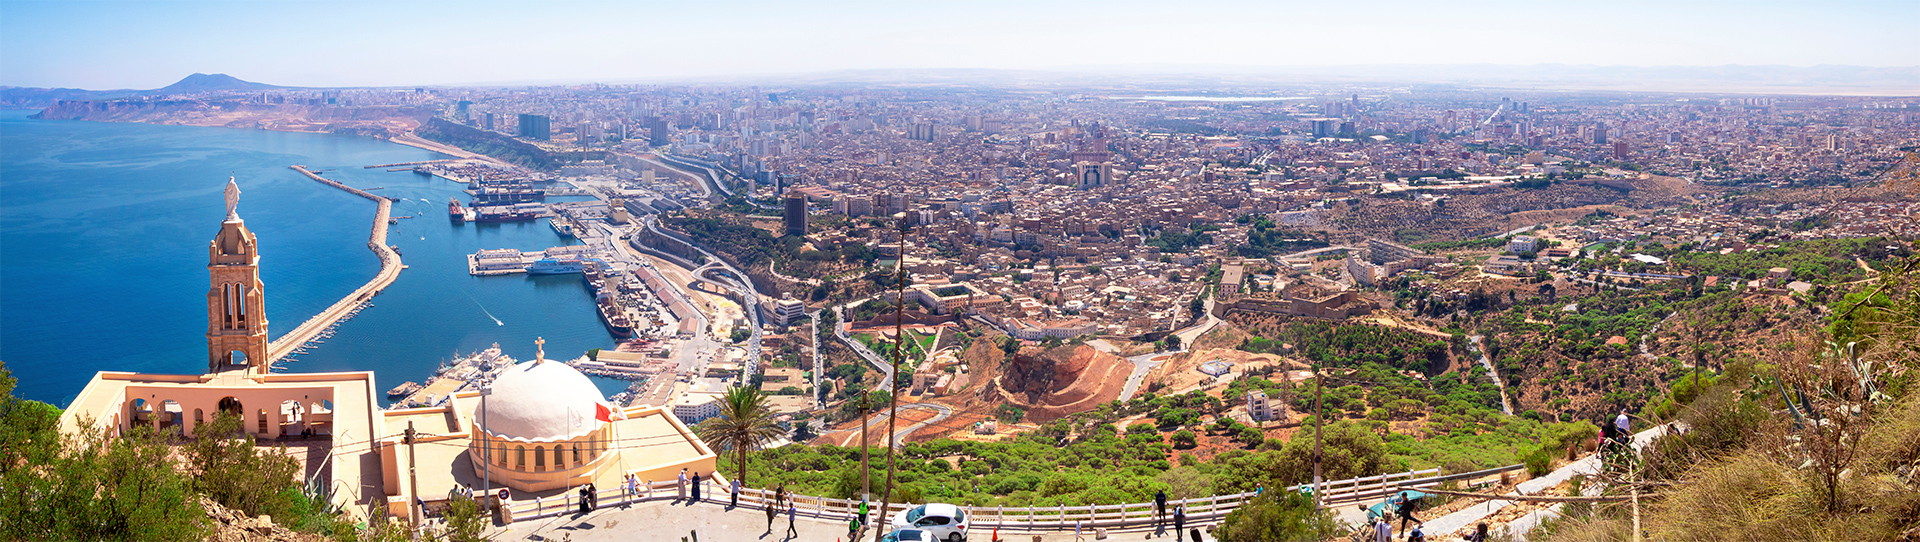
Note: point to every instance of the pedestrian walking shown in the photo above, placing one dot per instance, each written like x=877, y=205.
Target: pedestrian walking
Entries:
x=584, y=494
x=1404, y=507
x=696, y=486
x=1382, y=531
x=736, y=495
x=1179, y=523
x=863, y=512
x=791, y=532
x=683, y=485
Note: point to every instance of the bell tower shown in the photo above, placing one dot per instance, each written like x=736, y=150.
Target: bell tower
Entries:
x=236, y=306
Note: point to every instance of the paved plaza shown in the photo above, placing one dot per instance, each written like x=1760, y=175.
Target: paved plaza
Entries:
x=714, y=522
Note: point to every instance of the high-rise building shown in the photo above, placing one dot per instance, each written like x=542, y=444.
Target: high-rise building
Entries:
x=796, y=215
x=922, y=131
x=1326, y=127
x=535, y=127
x=657, y=132
x=489, y=121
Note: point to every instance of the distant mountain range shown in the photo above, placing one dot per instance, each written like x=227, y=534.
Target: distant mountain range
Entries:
x=192, y=84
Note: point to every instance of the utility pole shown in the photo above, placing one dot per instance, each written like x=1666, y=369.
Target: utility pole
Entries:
x=899, y=340
x=1319, y=388
x=866, y=476
x=413, y=479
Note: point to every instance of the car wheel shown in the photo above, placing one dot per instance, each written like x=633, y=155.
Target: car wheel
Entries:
x=955, y=537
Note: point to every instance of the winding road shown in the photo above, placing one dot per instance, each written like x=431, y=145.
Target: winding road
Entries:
x=940, y=413
x=1474, y=344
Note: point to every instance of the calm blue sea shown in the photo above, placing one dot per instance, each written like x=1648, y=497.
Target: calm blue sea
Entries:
x=103, y=253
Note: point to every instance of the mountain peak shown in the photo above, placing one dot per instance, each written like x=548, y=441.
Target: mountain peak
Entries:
x=201, y=82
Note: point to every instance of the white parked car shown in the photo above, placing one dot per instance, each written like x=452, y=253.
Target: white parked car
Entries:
x=942, y=521
x=907, y=535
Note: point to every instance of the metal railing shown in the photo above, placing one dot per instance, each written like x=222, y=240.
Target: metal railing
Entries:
x=1199, y=511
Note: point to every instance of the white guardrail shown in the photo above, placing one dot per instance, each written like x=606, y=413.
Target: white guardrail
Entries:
x=1200, y=510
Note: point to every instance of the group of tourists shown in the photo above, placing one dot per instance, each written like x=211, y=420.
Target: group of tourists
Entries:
x=781, y=500
x=1179, y=518
x=589, y=498
x=684, y=485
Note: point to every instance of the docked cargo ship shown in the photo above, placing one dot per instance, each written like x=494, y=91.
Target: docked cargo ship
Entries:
x=508, y=213
x=455, y=212
x=614, y=315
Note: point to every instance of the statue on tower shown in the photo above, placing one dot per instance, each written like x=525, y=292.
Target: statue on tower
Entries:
x=540, y=355
x=233, y=200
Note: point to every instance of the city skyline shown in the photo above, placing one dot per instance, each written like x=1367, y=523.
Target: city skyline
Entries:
x=148, y=45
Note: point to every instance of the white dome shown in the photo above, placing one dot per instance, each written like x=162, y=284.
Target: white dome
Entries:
x=540, y=402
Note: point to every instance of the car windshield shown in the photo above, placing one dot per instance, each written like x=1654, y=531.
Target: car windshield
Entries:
x=914, y=514
x=959, y=516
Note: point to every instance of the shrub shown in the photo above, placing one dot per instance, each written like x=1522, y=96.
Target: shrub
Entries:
x=1277, y=516
x=1539, y=460
x=1184, y=439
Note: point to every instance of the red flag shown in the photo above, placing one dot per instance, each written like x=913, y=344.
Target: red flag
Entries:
x=602, y=413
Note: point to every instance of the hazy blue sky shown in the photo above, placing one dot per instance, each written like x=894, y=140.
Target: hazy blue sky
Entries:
x=148, y=44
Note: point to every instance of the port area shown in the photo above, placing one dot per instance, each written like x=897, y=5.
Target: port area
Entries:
x=463, y=372
x=322, y=325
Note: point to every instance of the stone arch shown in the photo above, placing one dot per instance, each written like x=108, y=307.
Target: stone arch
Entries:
x=199, y=418
x=292, y=418
x=262, y=418
x=236, y=357
x=539, y=458
x=140, y=411
x=230, y=405
x=172, y=416
x=576, y=455
x=559, y=456
x=520, y=457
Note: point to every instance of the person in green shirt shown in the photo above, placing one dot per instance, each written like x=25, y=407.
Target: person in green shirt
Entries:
x=853, y=529
x=863, y=513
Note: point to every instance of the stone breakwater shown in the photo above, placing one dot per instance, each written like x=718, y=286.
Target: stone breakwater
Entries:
x=389, y=270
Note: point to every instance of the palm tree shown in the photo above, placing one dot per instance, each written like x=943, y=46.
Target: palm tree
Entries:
x=745, y=422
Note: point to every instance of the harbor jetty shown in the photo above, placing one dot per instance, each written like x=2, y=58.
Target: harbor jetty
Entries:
x=390, y=267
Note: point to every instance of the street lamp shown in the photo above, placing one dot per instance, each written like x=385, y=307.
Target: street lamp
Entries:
x=486, y=488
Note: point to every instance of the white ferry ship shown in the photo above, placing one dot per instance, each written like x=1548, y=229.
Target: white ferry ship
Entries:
x=555, y=266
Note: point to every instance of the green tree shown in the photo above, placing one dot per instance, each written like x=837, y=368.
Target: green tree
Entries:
x=88, y=485
x=745, y=423
x=465, y=522
x=1278, y=516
